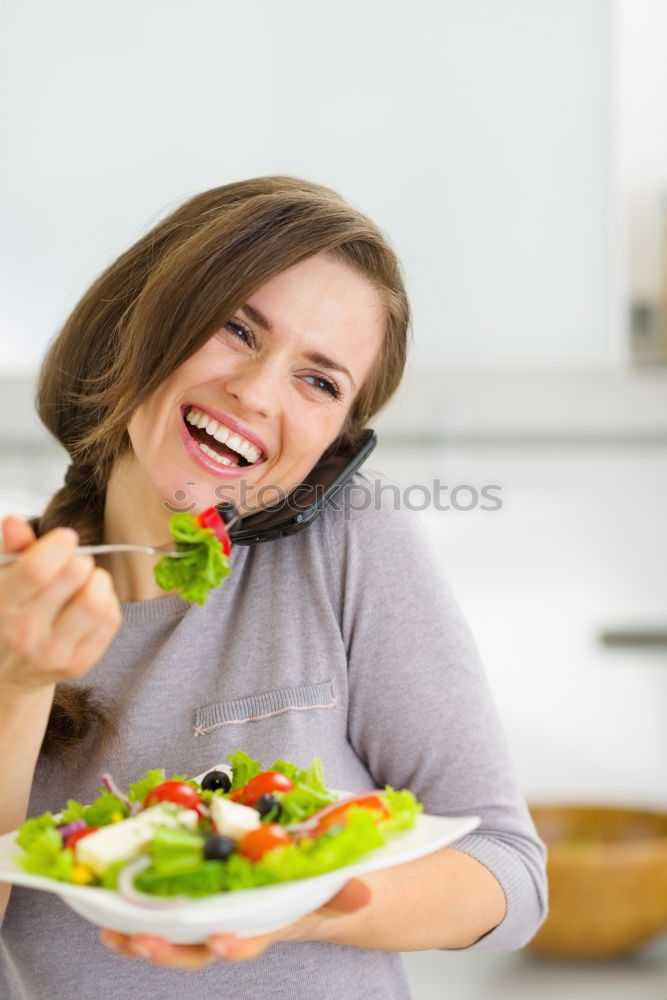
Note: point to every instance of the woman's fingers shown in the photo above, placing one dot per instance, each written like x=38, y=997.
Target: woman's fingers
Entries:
x=234, y=949
x=120, y=943
x=16, y=533
x=29, y=624
x=354, y=895
x=38, y=567
x=58, y=611
x=78, y=607
x=94, y=645
x=158, y=951
x=82, y=629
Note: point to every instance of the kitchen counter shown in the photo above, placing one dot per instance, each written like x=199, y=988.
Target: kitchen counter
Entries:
x=436, y=975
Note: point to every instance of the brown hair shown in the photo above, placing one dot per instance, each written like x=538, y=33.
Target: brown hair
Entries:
x=157, y=305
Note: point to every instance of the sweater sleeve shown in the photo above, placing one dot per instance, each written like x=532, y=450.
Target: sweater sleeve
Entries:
x=421, y=715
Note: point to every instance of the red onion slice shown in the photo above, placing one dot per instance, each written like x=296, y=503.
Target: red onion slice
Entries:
x=126, y=889
x=112, y=787
x=309, y=824
x=66, y=829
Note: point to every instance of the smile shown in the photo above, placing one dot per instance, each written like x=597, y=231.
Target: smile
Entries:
x=218, y=442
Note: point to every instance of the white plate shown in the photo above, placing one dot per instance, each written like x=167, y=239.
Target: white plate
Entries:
x=244, y=912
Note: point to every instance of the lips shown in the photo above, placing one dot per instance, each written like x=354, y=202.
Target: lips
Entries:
x=204, y=439
x=227, y=430
x=216, y=450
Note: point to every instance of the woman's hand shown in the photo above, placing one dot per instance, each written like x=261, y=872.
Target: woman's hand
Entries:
x=58, y=611
x=354, y=895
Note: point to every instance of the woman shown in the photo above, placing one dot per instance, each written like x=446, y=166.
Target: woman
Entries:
x=273, y=310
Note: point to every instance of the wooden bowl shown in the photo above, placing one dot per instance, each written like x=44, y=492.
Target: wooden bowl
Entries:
x=607, y=871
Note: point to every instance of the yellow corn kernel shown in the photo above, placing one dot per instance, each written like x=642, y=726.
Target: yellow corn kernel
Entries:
x=117, y=817
x=82, y=874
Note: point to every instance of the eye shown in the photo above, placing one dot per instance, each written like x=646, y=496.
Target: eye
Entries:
x=324, y=385
x=240, y=331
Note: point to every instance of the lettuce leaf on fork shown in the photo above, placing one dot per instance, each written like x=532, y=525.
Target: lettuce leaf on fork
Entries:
x=204, y=566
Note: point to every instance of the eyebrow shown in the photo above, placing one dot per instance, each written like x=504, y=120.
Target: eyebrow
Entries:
x=316, y=357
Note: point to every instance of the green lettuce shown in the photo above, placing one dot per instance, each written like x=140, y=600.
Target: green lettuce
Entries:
x=173, y=849
x=293, y=861
x=205, y=565
x=30, y=831
x=45, y=854
x=177, y=861
x=309, y=794
x=404, y=809
x=203, y=880
x=104, y=809
x=140, y=789
x=73, y=810
x=110, y=876
x=243, y=768
x=313, y=776
x=329, y=851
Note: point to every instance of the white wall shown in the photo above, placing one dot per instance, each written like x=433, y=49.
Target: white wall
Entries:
x=476, y=132
x=641, y=94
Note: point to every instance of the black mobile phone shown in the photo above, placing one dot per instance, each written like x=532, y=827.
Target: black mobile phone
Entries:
x=305, y=502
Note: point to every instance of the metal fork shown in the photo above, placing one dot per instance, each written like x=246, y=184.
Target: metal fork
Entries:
x=83, y=550
x=225, y=509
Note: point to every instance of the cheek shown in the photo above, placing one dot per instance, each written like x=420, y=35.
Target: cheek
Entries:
x=303, y=445
x=311, y=431
x=136, y=430
x=153, y=442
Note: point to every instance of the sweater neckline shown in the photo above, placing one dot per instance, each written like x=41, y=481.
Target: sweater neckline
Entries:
x=163, y=608
x=158, y=609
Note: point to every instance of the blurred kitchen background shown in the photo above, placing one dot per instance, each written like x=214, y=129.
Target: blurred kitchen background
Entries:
x=515, y=152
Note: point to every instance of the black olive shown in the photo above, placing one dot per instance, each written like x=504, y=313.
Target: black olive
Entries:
x=218, y=847
x=215, y=780
x=266, y=804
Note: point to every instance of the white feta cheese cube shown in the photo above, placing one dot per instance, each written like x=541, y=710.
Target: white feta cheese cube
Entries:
x=233, y=819
x=125, y=841
x=168, y=814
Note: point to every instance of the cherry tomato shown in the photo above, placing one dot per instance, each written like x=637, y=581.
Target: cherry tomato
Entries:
x=264, y=784
x=256, y=843
x=78, y=835
x=337, y=813
x=211, y=519
x=173, y=791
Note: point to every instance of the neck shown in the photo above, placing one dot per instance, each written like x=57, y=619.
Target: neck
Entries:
x=133, y=513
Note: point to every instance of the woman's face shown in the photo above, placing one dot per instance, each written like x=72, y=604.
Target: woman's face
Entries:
x=250, y=413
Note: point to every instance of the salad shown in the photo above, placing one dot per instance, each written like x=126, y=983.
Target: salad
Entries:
x=206, y=541
x=237, y=826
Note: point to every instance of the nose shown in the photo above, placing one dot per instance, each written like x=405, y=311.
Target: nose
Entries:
x=256, y=386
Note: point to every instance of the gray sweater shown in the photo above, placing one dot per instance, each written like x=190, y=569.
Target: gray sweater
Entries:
x=342, y=642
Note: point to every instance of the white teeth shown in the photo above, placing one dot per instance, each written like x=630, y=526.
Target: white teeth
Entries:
x=224, y=436
x=197, y=419
x=237, y=443
x=213, y=454
x=249, y=451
